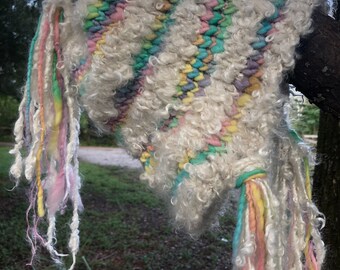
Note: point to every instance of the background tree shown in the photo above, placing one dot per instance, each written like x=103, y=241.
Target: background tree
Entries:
x=327, y=173
x=304, y=116
x=327, y=185
x=18, y=19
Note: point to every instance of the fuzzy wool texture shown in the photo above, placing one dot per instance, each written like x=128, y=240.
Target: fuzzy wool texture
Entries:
x=194, y=89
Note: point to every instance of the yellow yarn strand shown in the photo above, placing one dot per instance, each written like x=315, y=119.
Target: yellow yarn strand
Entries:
x=309, y=230
x=308, y=181
x=259, y=206
x=257, y=196
x=40, y=202
x=259, y=175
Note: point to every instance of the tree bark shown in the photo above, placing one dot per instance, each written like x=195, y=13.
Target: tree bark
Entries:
x=317, y=72
x=327, y=186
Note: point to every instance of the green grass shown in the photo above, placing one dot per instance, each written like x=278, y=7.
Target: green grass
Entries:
x=8, y=116
x=124, y=226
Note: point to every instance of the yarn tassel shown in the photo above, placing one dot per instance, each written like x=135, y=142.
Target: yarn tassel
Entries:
x=22, y=125
x=72, y=168
x=41, y=58
x=31, y=232
x=57, y=84
x=252, y=202
x=308, y=252
x=57, y=144
x=77, y=206
x=305, y=199
x=16, y=168
x=57, y=194
x=53, y=133
x=299, y=244
x=28, y=83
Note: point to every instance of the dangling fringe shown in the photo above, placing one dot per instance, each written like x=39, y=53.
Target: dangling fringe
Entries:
x=277, y=223
x=74, y=179
x=312, y=219
x=22, y=125
x=49, y=122
x=254, y=216
x=16, y=168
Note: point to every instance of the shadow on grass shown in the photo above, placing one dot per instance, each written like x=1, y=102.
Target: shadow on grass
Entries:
x=124, y=226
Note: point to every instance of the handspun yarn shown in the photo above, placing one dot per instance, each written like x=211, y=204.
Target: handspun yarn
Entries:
x=194, y=89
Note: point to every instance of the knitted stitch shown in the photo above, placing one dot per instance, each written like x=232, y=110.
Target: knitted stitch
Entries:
x=193, y=89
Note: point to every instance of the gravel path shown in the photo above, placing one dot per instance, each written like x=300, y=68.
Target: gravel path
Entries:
x=108, y=156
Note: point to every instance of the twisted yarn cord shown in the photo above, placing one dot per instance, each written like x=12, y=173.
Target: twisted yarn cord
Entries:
x=46, y=29
x=311, y=262
x=241, y=183
x=28, y=83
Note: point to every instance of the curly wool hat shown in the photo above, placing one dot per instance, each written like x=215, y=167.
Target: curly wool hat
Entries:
x=193, y=89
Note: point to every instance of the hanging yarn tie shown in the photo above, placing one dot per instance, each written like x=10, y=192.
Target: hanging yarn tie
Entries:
x=309, y=250
x=51, y=128
x=192, y=89
x=251, y=198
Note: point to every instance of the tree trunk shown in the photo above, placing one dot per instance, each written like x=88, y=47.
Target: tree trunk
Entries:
x=317, y=76
x=317, y=72
x=327, y=185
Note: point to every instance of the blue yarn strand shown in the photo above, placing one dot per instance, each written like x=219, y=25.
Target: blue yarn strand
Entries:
x=242, y=205
x=29, y=74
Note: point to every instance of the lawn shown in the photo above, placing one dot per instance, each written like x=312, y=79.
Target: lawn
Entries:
x=124, y=226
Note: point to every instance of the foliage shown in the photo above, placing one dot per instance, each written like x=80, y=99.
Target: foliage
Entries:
x=8, y=116
x=305, y=117
x=124, y=226
x=89, y=134
x=18, y=19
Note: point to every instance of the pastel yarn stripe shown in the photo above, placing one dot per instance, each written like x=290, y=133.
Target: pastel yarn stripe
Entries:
x=196, y=74
x=40, y=200
x=250, y=82
x=151, y=47
x=101, y=17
